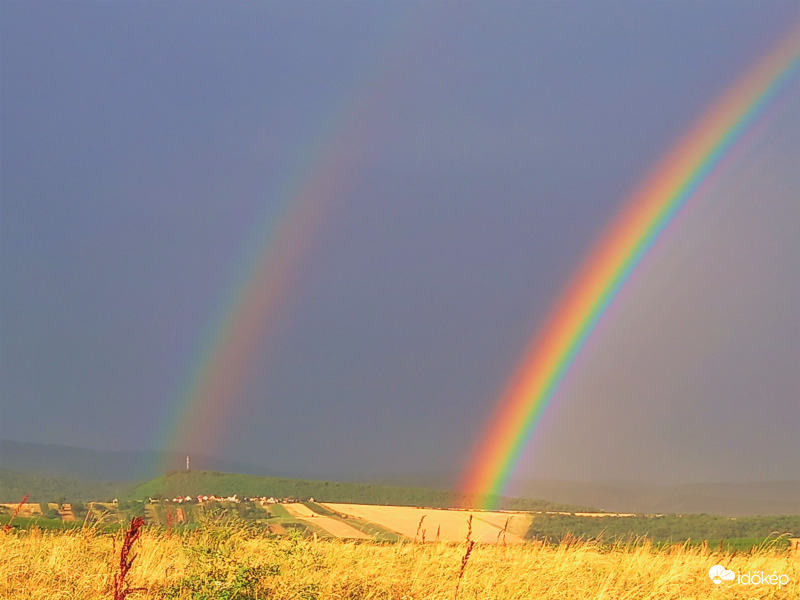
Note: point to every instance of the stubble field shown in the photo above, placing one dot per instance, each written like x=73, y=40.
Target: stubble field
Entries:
x=445, y=525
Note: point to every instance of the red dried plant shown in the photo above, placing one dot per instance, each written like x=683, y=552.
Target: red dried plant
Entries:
x=7, y=528
x=419, y=528
x=126, y=560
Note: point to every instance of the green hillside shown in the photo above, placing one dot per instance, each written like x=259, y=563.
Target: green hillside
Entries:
x=193, y=483
x=14, y=486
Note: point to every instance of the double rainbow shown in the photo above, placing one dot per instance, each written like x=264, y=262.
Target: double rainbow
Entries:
x=645, y=216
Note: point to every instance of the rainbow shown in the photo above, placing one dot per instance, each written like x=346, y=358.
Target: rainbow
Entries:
x=218, y=373
x=251, y=308
x=633, y=232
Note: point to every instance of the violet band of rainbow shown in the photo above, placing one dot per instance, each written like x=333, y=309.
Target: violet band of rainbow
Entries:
x=647, y=213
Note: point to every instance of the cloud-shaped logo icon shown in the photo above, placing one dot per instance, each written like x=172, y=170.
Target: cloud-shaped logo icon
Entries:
x=718, y=574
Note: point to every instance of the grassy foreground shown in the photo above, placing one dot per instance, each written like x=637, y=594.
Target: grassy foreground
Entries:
x=234, y=562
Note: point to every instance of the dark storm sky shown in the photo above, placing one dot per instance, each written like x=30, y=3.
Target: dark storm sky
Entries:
x=146, y=147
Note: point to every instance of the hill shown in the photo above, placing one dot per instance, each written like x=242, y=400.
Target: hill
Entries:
x=193, y=483
x=81, y=471
x=56, y=460
x=42, y=488
x=14, y=486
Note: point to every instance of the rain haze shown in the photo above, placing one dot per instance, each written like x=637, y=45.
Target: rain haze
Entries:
x=422, y=180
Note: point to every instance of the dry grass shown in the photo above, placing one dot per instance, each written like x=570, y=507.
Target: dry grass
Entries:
x=238, y=563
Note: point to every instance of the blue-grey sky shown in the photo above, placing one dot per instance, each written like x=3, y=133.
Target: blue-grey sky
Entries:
x=147, y=148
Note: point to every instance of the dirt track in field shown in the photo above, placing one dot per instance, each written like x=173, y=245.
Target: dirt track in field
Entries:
x=439, y=524
x=329, y=524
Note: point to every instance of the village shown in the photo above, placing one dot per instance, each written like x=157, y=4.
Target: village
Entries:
x=200, y=499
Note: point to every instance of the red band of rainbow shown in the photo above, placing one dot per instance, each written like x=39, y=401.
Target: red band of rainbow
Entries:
x=645, y=216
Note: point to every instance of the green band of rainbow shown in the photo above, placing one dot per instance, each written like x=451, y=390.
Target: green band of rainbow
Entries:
x=257, y=302
x=651, y=208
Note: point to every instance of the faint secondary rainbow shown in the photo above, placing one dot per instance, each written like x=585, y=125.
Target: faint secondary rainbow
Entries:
x=209, y=393
x=254, y=303
x=645, y=216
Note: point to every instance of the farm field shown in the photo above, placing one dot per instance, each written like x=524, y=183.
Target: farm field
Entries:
x=26, y=509
x=441, y=524
x=332, y=526
x=387, y=523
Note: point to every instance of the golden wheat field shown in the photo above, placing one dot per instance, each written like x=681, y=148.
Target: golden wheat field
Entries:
x=233, y=562
x=441, y=524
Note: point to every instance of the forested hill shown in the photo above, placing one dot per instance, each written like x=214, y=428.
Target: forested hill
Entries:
x=54, y=460
x=41, y=488
x=14, y=486
x=193, y=483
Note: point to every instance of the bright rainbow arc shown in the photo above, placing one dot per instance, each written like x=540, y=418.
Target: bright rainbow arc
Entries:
x=637, y=227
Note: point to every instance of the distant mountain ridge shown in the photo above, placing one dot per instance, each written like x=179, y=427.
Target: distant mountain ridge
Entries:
x=14, y=486
x=129, y=467
x=56, y=460
x=727, y=499
x=730, y=499
x=193, y=483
